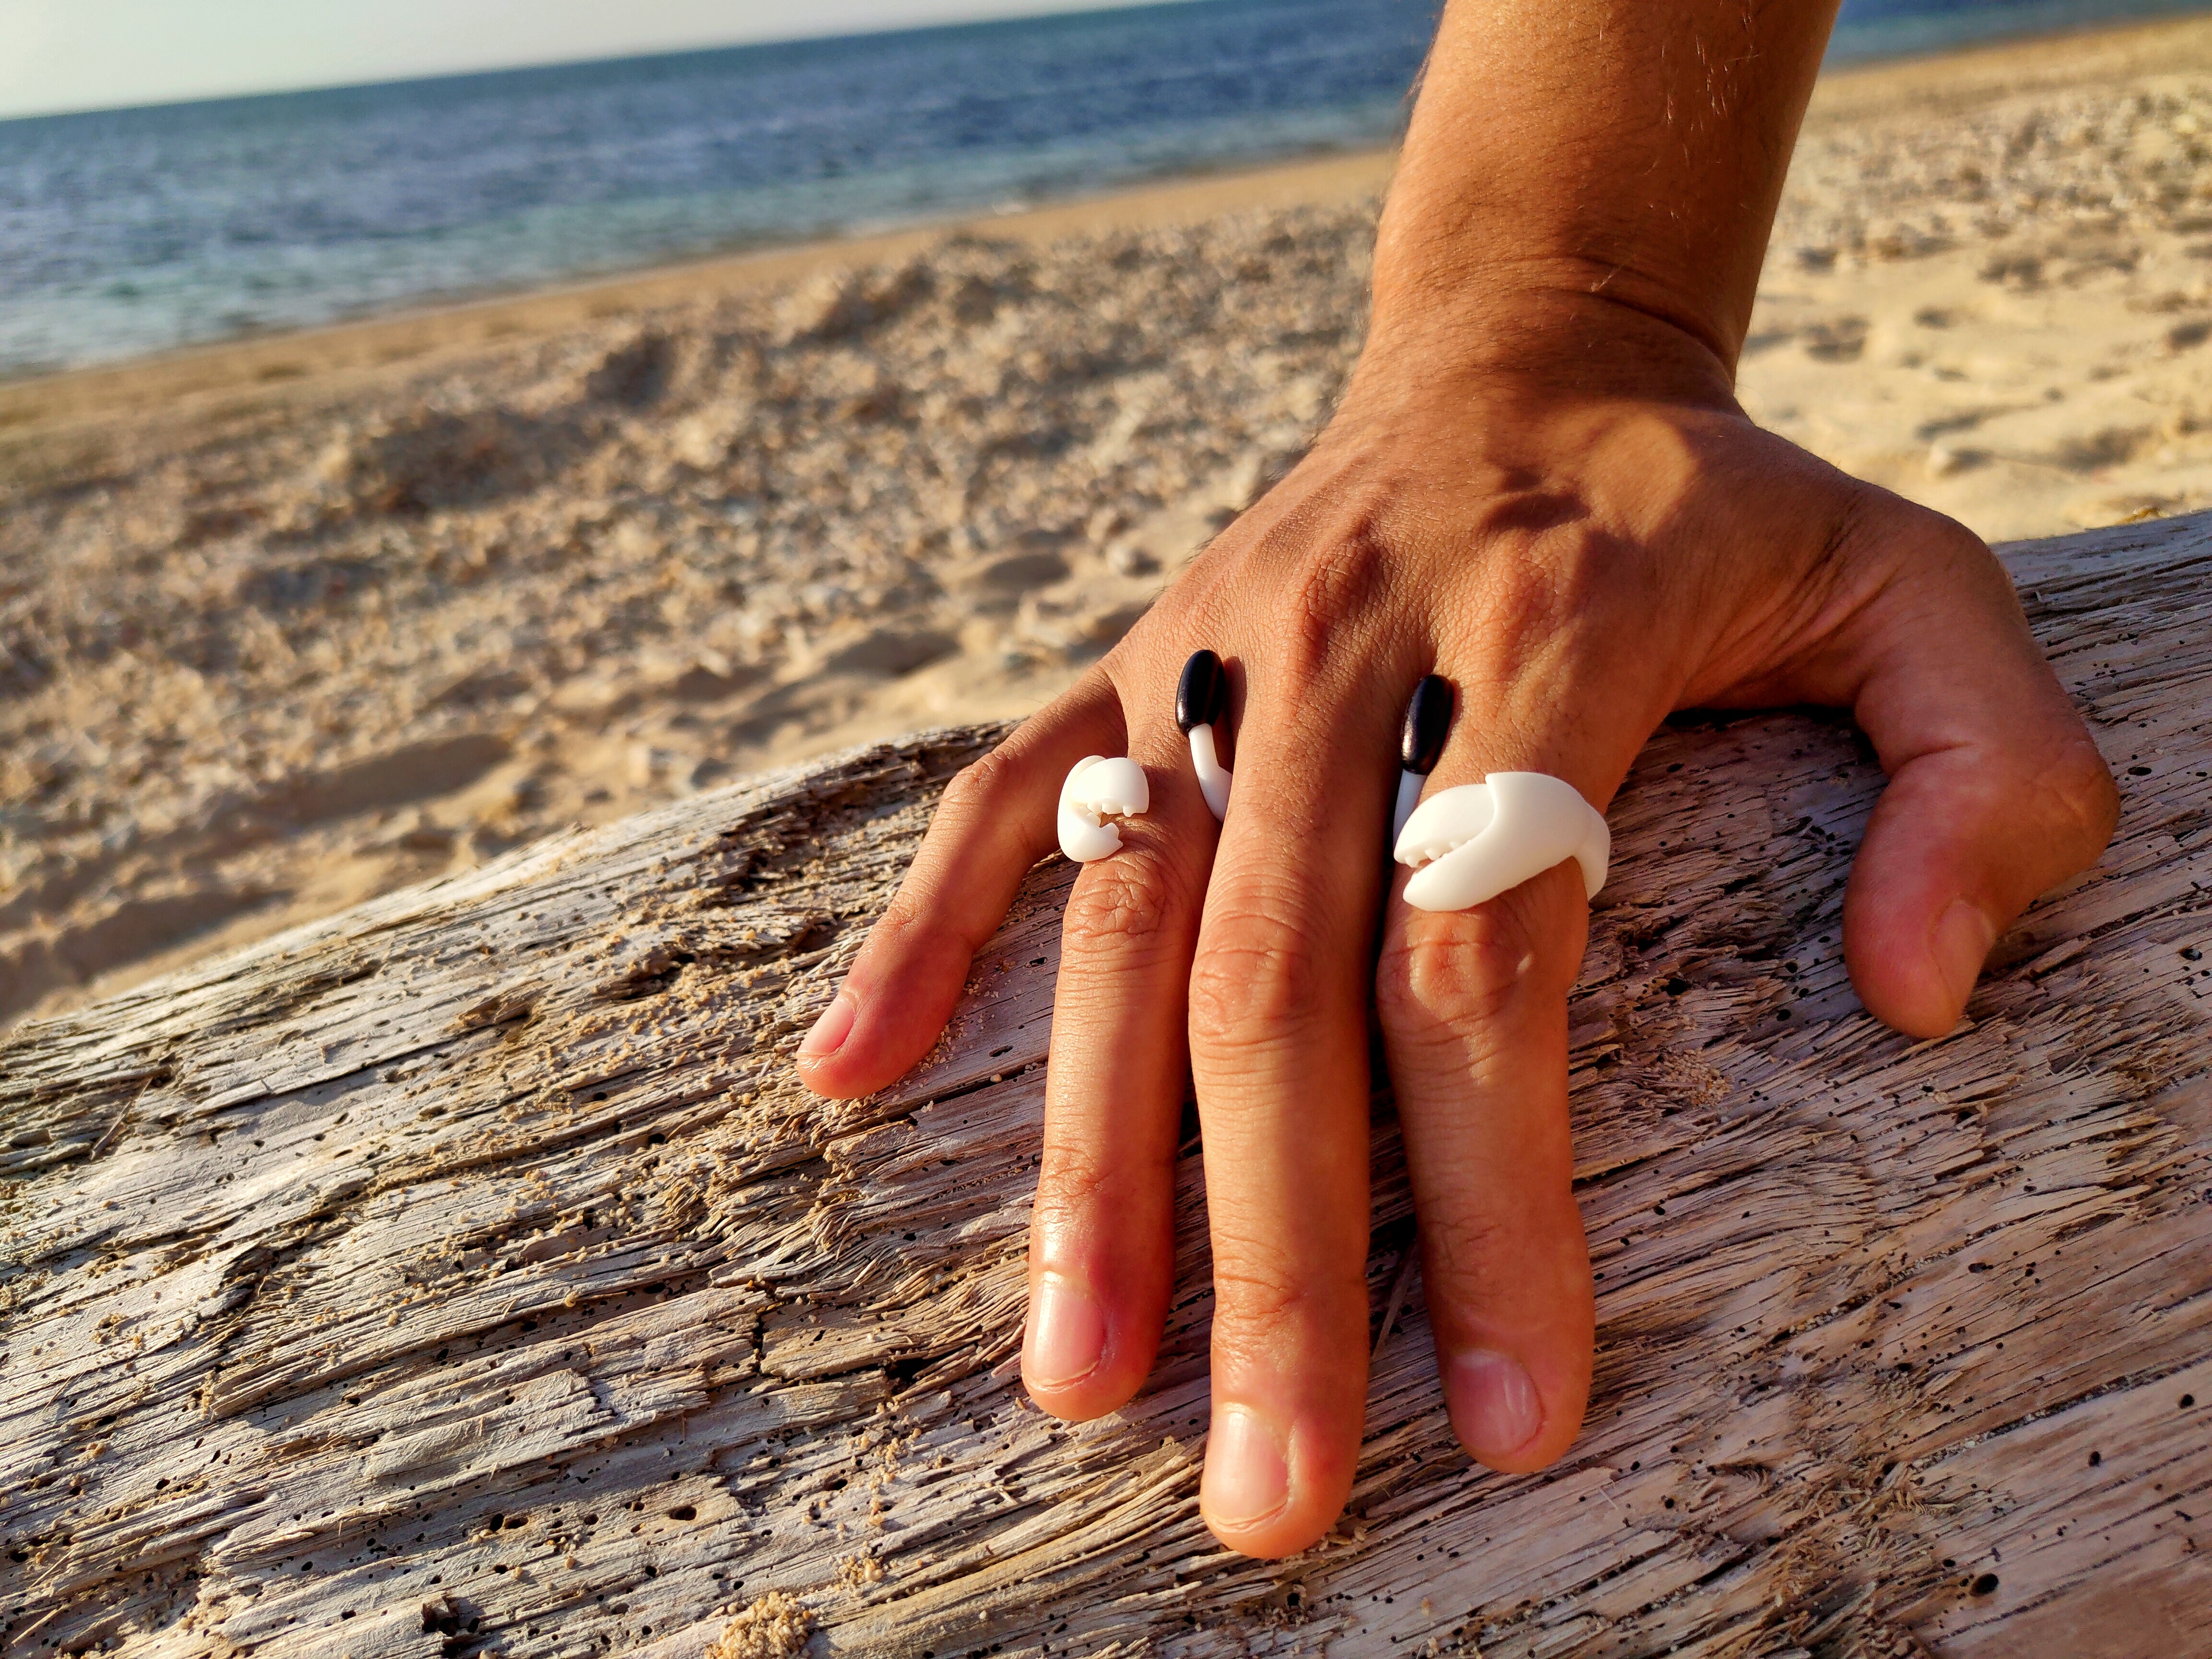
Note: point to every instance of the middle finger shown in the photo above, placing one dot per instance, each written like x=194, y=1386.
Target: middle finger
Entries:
x=1278, y=995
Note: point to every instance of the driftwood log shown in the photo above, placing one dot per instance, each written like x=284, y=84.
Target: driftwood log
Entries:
x=467, y=1274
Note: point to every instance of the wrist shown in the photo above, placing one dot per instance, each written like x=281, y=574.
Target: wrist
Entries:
x=1585, y=191
x=1539, y=330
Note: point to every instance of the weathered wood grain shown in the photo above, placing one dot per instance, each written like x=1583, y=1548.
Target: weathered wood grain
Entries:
x=467, y=1274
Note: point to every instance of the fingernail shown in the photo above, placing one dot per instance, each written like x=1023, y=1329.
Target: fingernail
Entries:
x=1494, y=1406
x=1065, y=1339
x=1962, y=945
x=1247, y=1472
x=831, y=1031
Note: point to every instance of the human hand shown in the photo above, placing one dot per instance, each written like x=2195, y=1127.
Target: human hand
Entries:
x=1578, y=564
x=1539, y=486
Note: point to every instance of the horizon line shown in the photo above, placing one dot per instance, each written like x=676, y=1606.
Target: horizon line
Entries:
x=1041, y=9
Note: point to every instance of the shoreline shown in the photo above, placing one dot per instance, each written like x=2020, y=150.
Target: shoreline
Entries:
x=1952, y=80
x=2192, y=11
x=258, y=361
x=293, y=620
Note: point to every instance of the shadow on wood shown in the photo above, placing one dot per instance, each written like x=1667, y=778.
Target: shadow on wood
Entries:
x=467, y=1274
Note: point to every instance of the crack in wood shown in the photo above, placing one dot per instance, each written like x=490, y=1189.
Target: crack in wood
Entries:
x=468, y=1275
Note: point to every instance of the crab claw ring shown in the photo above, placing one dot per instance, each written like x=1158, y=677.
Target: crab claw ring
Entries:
x=1096, y=789
x=1475, y=842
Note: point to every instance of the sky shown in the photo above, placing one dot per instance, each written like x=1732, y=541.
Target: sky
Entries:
x=102, y=54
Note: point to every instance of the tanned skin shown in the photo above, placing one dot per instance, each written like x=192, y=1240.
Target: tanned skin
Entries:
x=1539, y=485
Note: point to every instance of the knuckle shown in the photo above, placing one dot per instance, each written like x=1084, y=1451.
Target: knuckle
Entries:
x=917, y=910
x=1532, y=589
x=1257, y=1297
x=1870, y=525
x=907, y=912
x=1443, y=974
x=1453, y=975
x=921, y=928
x=1937, y=532
x=1326, y=587
x=976, y=787
x=1527, y=602
x=1131, y=899
x=1462, y=1251
x=2080, y=785
x=1856, y=525
x=1256, y=980
x=1074, y=1184
x=1942, y=546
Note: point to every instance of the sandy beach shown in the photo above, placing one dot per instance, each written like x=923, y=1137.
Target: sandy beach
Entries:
x=288, y=623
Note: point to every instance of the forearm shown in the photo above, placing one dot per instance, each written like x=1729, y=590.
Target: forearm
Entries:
x=1597, y=170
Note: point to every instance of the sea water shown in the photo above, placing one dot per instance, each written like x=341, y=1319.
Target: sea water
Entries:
x=132, y=231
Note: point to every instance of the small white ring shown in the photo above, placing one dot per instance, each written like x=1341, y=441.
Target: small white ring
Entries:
x=1099, y=788
x=1469, y=844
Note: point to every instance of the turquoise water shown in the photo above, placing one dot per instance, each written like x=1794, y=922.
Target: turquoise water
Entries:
x=134, y=231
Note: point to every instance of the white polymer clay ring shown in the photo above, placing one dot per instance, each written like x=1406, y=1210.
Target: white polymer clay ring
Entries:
x=1096, y=789
x=1472, y=842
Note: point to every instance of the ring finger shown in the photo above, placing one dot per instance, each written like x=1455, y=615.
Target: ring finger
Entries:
x=1474, y=1007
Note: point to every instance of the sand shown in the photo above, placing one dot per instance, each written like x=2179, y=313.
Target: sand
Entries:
x=288, y=623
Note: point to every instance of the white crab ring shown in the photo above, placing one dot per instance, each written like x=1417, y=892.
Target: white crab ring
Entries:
x=1096, y=789
x=1472, y=842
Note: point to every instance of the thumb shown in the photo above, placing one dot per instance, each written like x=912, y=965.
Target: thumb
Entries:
x=1997, y=791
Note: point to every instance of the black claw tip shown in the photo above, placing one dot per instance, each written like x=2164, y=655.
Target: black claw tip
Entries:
x=1428, y=720
x=1202, y=694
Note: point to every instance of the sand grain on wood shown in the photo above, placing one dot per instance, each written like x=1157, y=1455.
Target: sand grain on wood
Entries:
x=469, y=1274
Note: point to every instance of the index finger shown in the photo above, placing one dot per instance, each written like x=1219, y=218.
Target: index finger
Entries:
x=995, y=820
